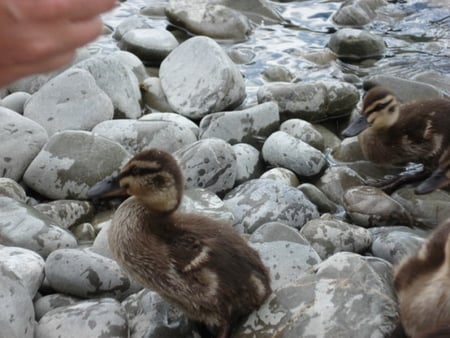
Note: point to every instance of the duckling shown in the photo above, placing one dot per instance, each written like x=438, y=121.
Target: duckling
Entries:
x=200, y=265
x=389, y=132
x=422, y=285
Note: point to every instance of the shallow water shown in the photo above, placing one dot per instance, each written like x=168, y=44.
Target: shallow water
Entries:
x=417, y=35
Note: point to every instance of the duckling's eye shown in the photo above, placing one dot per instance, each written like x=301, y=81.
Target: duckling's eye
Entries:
x=380, y=106
x=135, y=171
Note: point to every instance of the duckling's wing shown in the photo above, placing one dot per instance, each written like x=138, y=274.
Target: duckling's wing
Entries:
x=189, y=252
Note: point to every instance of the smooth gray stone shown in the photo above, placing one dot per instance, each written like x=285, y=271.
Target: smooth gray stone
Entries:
x=15, y=101
x=282, y=175
x=67, y=213
x=249, y=163
x=195, y=89
x=277, y=73
x=25, y=227
x=95, y=318
x=173, y=117
x=128, y=24
x=71, y=100
x=132, y=62
x=18, y=132
x=304, y=131
x=276, y=231
x=154, y=98
x=50, y=302
x=85, y=274
x=357, y=12
x=315, y=195
x=11, y=188
x=260, y=201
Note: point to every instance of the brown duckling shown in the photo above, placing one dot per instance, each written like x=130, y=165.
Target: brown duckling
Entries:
x=389, y=132
x=200, y=265
x=422, y=284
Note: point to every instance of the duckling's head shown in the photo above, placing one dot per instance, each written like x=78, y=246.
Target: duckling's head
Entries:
x=381, y=110
x=152, y=176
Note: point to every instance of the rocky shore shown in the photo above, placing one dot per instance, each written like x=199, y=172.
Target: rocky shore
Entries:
x=269, y=161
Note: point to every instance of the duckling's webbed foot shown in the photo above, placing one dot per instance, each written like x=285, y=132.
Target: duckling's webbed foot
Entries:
x=389, y=185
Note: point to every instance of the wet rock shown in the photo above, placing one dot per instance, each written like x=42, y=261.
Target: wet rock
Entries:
x=260, y=201
x=328, y=236
x=11, y=188
x=71, y=100
x=304, y=131
x=15, y=101
x=248, y=125
x=436, y=79
x=25, y=227
x=357, y=12
x=348, y=151
x=16, y=307
x=172, y=117
x=195, y=89
x=66, y=212
x=394, y=243
x=276, y=231
x=153, y=96
x=128, y=24
x=331, y=303
x=313, y=102
x=151, y=316
x=330, y=139
x=18, y=132
x=85, y=274
x=287, y=261
x=369, y=206
x=277, y=74
x=209, y=164
x=26, y=264
x=249, y=163
x=259, y=11
x=315, y=195
x=50, y=302
x=282, y=175
x=351, y=44
x=282, y=149
x=71, y=162
x=151, y=45
x=93, y=318
x=118, y=82
x=211, y=19
x=426, y=210
x=139, y=135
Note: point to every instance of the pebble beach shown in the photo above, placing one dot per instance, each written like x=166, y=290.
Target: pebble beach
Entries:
x=250, y=97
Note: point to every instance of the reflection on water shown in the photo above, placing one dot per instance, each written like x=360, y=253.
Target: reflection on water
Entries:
x=417, y=35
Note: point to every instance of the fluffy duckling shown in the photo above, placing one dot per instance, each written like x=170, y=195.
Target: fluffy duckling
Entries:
x=422, y=284
x=389, y=132
x=200, y=265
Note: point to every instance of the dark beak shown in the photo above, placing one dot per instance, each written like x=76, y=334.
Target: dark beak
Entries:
x=356, y=127
x=438, y=179
x=109, y=187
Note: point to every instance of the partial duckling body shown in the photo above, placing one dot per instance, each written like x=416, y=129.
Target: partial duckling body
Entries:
x=198, y=264
x=422, y=284
x=389, y=132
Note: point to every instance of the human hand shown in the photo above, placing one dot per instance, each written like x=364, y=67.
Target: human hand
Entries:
x=42, y=35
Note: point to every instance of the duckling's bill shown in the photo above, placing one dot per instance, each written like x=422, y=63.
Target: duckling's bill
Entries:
x=108, y=187
x=439, y=179
x=356, y=127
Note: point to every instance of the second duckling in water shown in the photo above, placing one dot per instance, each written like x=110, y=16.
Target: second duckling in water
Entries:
x=200, y=265
x=389, y=132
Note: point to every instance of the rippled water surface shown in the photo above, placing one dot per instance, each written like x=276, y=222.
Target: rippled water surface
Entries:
x=417, y=35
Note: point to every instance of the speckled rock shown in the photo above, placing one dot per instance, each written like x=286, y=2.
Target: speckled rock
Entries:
x=312, y=101
x=16, y=306
x=151, y=316
x=15, y=101
x=349, y=150
x=304, y=131
x=355, y=45
x=249, y=163
x=276, y=231
x=93, y=318
x=426, y=210
x=315, y=195
x=196, y=89
x=282, y=175
x=328, y=236
x=26, y=264
x=85, y=274
x=71, y=162
x=394, y=243
x=50, y=302
x=18, y=132
x=330, y=304
x=151, y=45
x=209, y=164
x=282, y=149
x=287, y=261
x=11, y=188
x=72, y=100
x=25, y=227
x=172, y=117
x=260, y=201
x=118, y=82
x=137, y=135
x=153, y=96
x=357, y=12
x=202, y=17
x=249, y=125
x=369, y=206
x=66, y=212
x=132, y=62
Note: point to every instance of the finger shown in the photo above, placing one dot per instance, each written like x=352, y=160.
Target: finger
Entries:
x=59, y=9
